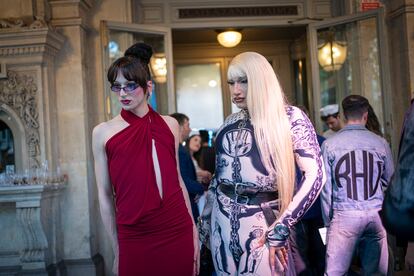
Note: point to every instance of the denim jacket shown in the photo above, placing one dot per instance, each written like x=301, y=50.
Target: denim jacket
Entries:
x=358, y=166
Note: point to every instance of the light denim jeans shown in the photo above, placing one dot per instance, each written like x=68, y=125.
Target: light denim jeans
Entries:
x=351, y=229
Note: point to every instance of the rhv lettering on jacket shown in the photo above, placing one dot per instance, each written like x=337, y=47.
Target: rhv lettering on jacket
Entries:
x=347, y=172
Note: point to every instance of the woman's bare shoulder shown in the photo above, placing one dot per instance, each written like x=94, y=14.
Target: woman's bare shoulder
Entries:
x=105, y=130
x=172, y=123
x=169, y=120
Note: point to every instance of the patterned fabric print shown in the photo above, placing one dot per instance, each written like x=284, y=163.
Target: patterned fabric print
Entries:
x=252, y=260
x=237, y=156
x=235, y=227
x=232, y=255
x=238, y=161
x=308, y=158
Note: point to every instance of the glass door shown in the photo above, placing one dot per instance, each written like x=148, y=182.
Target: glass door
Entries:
x=199, y=88
x=116, y=38
x=348, y=56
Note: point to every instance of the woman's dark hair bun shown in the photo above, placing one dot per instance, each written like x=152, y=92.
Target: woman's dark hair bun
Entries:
x=141, y=51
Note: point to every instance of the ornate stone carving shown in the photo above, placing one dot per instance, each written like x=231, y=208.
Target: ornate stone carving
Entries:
x=34, y=237
x=38, y=215
x=39, y=22
x=11, y=23
x=30, y=50
x=34, y=40
x=19, y=93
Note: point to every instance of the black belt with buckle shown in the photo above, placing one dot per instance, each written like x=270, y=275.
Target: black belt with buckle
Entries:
x=249, y=195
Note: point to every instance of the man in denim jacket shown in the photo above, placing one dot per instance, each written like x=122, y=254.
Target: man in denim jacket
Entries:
x=359, y=166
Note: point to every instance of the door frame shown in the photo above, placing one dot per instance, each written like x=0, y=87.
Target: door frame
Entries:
x=314, y=100
x=106, y=26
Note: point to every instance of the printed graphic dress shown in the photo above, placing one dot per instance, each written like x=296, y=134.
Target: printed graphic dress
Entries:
x=155, y=233
x=235, y=227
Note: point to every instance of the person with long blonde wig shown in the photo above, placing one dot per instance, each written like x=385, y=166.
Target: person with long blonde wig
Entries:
x=251, y=205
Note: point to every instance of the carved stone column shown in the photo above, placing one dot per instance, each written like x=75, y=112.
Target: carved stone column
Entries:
x=28, y=215
x=33, y=207
x=71, y=18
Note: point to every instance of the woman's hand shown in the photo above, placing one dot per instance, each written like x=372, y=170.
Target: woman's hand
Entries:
x=278, y=256
x=196, y=258
x=278, y=259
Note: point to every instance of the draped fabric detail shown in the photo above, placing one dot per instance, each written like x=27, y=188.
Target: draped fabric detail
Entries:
x=147, y=223
x=131, y=168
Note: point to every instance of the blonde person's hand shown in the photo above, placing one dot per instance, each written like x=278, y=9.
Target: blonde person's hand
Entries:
x=196, y=258
x=278, y=256
x=278, y=259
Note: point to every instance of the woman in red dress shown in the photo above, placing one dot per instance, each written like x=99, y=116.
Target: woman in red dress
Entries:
x=143, y=201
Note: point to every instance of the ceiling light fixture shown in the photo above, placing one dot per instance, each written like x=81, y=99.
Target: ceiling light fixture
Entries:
x=229, y=38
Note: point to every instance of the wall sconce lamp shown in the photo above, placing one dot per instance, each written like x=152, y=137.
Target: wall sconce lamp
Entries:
x=158, y=64
x=331, y=54
x=229, y=38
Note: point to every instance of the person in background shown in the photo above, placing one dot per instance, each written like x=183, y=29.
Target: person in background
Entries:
x=359, y=166
x=143, y=200
x=250, y=206
x=398, y=207
x=331, y=117
x=193, y=146
x=206, y=160
x=207, y=155
x=187, y=169
x=373, y=123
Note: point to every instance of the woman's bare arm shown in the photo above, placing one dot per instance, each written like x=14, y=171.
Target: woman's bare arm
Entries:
x=105, y=193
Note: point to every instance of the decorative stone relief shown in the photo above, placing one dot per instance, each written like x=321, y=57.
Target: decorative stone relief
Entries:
x=35, y=242
x=37, y=211
x=39, y=22
x=19, y=93
x=11, y=23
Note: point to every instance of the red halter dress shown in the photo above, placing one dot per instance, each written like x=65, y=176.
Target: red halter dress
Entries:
x=155, y=234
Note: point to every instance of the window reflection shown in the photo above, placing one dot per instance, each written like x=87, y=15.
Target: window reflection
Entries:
x=199, y=94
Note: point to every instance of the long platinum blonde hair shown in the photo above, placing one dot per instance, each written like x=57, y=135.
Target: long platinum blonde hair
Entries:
x=266, y=104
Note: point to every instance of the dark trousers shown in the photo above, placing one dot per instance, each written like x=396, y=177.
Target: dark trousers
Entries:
x=307, y=248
